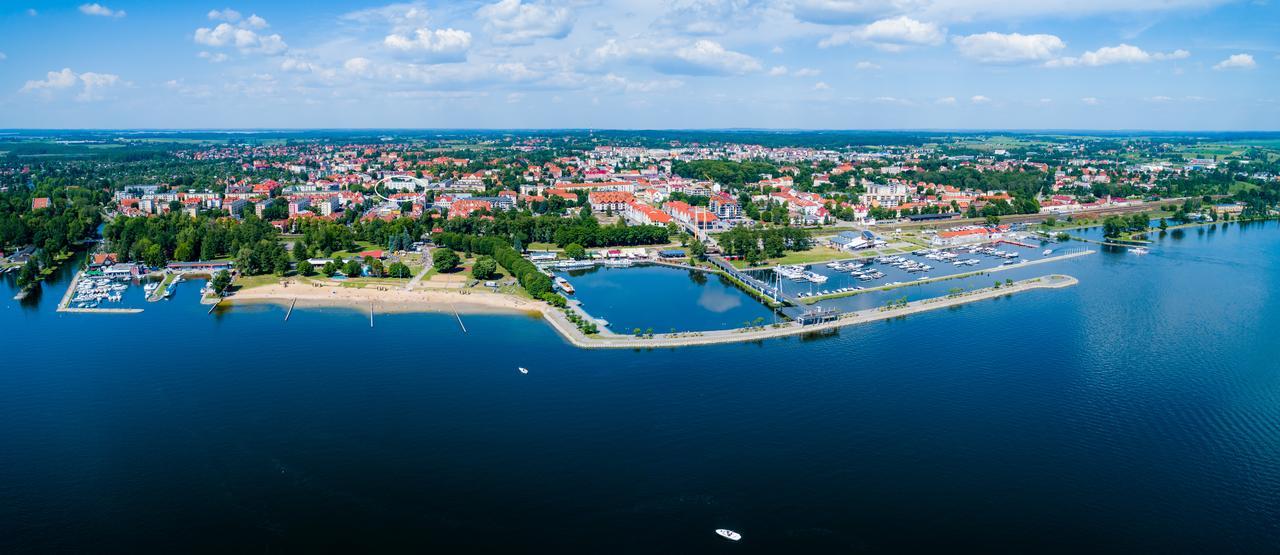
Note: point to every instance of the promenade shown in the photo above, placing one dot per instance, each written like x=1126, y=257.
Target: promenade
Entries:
x=609, y=340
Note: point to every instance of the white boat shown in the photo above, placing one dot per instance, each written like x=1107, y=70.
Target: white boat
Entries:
x=523, y=370
x=728, y=534
x=1047, y=252
x=1139, y=250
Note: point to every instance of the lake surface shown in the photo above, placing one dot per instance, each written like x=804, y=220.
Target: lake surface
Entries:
x=664, y=299
x=1138, y=411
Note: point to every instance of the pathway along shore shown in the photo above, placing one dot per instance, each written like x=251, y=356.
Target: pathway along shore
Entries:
x=608, y=340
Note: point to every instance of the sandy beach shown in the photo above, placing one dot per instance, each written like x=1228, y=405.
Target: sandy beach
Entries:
x=388, y=299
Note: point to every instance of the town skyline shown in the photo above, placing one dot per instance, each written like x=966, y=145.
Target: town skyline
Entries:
x=1190, y=65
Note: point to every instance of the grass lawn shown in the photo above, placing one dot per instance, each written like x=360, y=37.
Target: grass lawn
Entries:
x=249, y=282
x=361, y=246
x=815, y=254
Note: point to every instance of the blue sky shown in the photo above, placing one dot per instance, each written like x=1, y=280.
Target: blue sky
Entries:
x=1081, y=64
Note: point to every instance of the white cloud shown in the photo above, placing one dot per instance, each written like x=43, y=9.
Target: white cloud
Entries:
x=866, y=66
x=295, y=65
x=709, y=17
x=821, y=86
x=100, y=10
x=91, y=83
x=1159, y=98
x=777, y=71
x=946, y=101
x=514, y=22
x=401, y=18
x=439, y=45
x=3, y=56
x=242, y=35
x=515, y=97
x=891, y=34
x=226, y=14
x=1012, y=48
x=806, y=72
x=359, y=66
x=979, y=99
x=213, y=57
x=622, y=84
x=840, y=12
x=1236, y=61
x=1091, y=101
x=1119, y=54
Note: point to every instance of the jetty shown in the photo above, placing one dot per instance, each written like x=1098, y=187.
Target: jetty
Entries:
x=65, y=304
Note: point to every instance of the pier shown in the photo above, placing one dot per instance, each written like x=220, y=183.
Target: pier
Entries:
x=1001, y=268
x=65, y=304
x=289, y=312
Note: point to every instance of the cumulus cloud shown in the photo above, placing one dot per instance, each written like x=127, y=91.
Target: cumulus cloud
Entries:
x=98, y=10
x=821, y=86
x=979, y=99
x=1011, y=48
x=1236, y=61
x=890, y=34
x=91, y=84
x=241, y=33
x=705, y=56
x=1091, y=101
x=946, y=101
x=777, y=71
x=1119, y=54
x=866, y=66
x=701, y=57
x=515, y=22
x=439, y=45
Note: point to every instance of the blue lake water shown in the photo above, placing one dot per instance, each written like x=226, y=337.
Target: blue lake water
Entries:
x=663, y=298
x=1138, y=411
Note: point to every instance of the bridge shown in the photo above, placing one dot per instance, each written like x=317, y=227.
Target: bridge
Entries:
x=771, y=287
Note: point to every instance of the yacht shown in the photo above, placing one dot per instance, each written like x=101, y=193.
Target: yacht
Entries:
x=1139, y=250
x=523, y=370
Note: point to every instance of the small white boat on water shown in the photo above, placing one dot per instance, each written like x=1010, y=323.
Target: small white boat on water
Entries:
x=729, y=534
x=523, y=370
x=1047, y=252
x=1139, y=250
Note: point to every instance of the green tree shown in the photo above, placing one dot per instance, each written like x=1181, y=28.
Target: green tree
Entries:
x=444, y=260
x=305, y=268
x=221, y=281
x=352, y=268
x=485, y=268
x=575, y=251
x=399, y=270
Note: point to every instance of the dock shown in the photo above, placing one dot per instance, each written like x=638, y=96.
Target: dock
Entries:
x=289, y=312
x=371, y=315
x=458, y=316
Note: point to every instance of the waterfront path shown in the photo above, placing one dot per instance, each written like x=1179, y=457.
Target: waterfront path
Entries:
x=608, y=340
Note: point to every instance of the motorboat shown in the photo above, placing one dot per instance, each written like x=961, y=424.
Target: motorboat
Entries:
x=1139, y=250
x=523, y=370
x=728, y=534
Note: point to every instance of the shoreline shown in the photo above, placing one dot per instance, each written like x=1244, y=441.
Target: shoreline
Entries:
x=457, y=302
